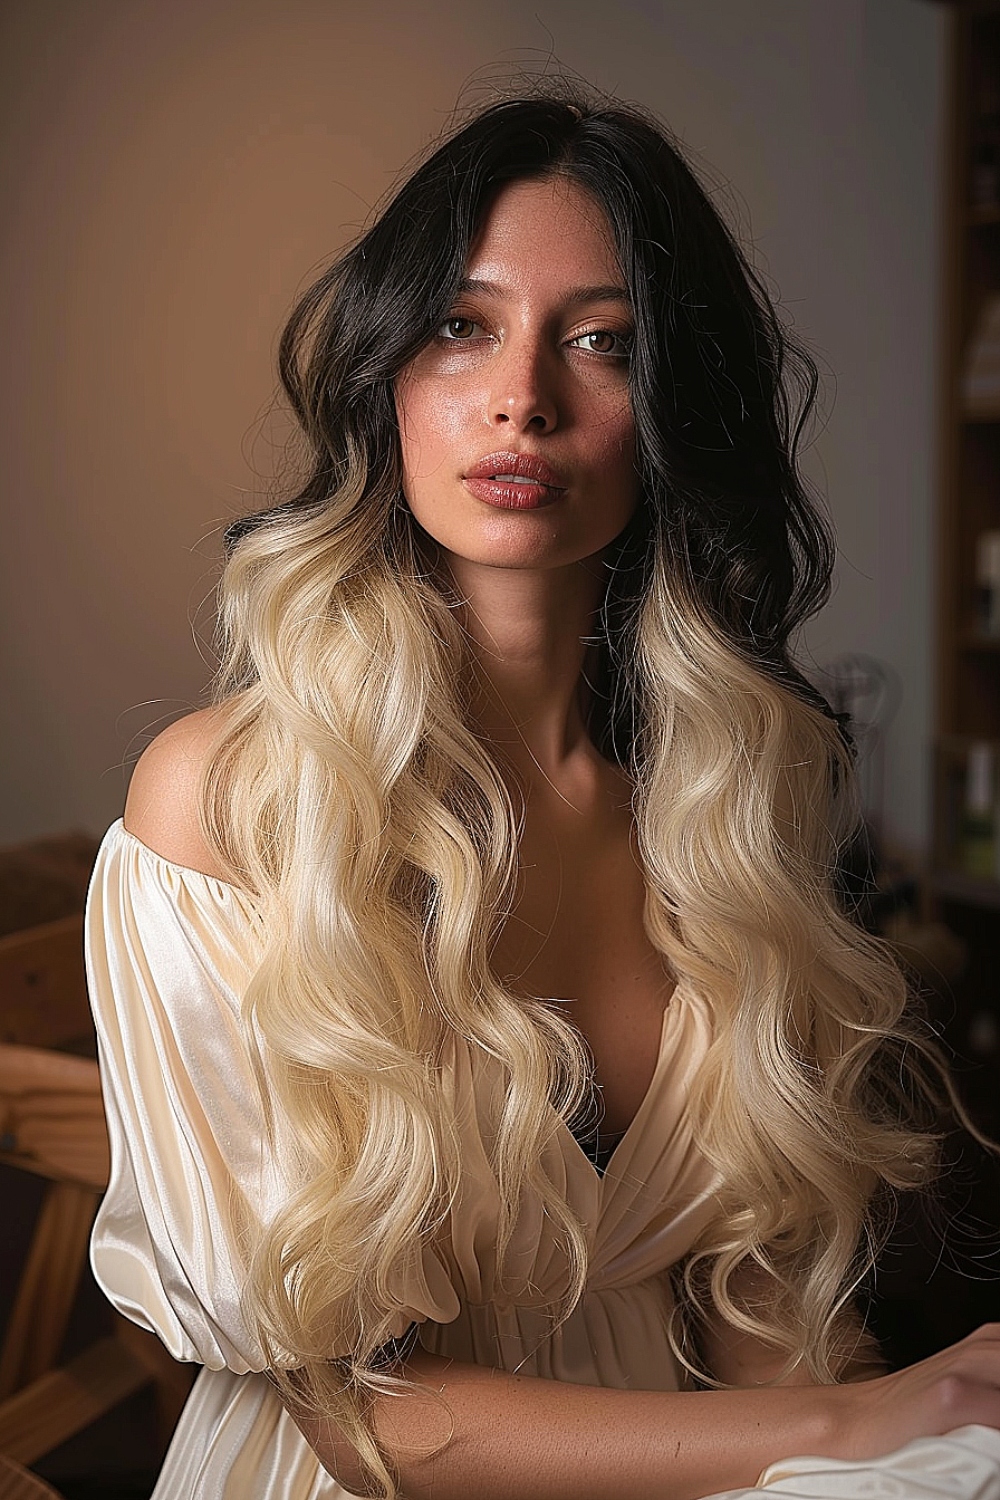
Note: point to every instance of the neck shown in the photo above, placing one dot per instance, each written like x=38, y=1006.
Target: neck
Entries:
x=530, y=631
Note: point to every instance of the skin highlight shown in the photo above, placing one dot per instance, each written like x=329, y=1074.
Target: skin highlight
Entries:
x=541, y=367
x=531, y=358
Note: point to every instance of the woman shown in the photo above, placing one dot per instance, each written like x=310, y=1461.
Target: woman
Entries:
x=490, y=1070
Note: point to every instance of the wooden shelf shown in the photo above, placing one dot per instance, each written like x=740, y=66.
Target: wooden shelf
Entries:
x=968, y=660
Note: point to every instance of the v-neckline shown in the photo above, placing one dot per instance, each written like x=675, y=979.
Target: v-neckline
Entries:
x=668, y=1011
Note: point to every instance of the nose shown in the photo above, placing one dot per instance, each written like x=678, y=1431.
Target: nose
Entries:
x=523, y=392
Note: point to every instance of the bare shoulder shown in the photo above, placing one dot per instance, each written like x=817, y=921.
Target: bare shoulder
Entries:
x=161, y=809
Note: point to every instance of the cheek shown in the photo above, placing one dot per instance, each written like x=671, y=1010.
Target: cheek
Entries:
x=429, y=421
x=612, y=443
x=409, y=419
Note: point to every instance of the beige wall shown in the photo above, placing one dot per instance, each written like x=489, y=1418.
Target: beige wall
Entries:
x=175, y=172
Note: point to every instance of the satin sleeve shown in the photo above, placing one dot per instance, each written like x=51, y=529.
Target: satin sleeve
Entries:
x=961, y=1465
x=169, y=954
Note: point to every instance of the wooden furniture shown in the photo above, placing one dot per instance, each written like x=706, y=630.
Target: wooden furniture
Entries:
x=964, y=878
x=52, y=1125
x=44, y=879
x=19, y=1484
x=43, y=987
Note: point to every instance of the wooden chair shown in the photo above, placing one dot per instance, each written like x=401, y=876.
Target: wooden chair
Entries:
x=52, y=1125
x=43, y=987
x=20, y=1484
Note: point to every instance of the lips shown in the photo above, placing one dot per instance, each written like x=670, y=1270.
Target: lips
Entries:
x=514, y=481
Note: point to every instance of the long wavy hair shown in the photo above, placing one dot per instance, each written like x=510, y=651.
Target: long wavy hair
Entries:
x=349, y=793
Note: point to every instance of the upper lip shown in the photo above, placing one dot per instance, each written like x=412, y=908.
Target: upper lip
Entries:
x=521, y=465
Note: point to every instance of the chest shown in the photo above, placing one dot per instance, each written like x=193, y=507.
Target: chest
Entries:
x=576, y=933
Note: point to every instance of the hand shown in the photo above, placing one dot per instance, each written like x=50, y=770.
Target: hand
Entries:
x=960, y=1385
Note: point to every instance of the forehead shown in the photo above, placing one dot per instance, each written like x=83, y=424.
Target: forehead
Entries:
x=540, y=231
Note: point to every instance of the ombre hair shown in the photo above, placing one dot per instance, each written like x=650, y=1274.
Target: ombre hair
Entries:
x=349, y=792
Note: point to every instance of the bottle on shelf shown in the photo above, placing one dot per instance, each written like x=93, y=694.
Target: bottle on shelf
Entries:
x=977, y=838
x=988, y=583
x=981, y=374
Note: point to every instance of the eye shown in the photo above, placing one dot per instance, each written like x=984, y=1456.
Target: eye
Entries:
x=456, y=330
x=603, y=341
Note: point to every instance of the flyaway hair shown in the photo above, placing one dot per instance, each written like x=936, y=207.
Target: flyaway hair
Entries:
x=349, y=793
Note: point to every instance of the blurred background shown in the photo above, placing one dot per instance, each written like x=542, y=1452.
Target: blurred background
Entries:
x=175, y=174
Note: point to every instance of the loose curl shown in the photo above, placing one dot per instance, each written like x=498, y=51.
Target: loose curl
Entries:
x=349, y=793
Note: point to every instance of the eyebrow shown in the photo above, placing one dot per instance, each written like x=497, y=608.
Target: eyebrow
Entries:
x=609, y=292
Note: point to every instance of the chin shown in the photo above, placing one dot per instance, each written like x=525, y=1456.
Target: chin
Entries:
x=528, y=559
x=519, y=539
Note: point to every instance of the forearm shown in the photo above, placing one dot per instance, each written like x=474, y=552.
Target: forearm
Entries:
x=469, y=1429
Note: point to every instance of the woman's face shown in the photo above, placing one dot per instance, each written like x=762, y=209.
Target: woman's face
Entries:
x=518, y=442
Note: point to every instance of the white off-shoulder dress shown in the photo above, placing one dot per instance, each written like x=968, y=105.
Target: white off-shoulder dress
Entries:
x=169, y=952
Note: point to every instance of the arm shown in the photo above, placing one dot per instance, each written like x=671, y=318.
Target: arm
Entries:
x=161, y=808
x=507, y=1437
x=510, y=1437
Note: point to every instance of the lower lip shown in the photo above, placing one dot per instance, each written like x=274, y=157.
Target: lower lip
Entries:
x=510, y=496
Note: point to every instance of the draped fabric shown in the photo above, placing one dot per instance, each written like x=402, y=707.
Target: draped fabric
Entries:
x=963, y=1465
x=169, y=954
